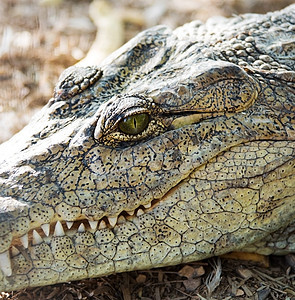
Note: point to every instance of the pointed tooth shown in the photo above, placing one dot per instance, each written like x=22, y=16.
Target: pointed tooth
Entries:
x=46, y=229
x=102, y=225
x=148, y=205
x=36, y=238
x=121, y=220
x=14, y=251
x=130, y=212
x=139, y=212
x=69, y=224
x=5, y=263
x=93, y=224
x=59, y=231
x=25, y=240
x=112, y=221
x=81, y=228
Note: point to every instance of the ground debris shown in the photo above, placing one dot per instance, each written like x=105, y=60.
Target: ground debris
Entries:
x=192, y=284
x=244, y=273
x=290, y=260
x=189, y=272
x=214, y=278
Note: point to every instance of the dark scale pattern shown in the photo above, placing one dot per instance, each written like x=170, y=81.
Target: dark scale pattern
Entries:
x=74, y=81
x=212, y=170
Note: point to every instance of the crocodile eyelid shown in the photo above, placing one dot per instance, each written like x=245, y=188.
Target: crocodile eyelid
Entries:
x=125, y=118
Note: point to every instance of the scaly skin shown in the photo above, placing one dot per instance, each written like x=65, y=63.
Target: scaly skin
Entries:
x=212, y=172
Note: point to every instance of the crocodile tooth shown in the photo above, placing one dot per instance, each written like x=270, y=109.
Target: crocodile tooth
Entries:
x=46, y=229
x=14, y=251
x=112, y=221
x=130, y=212
x=102, y=225
x=148, y=205
x=5, y=263
x=140, y=212
x=121, y=220
x=69, y=224
x=59, y=231
x=97, y=132
x=36, y=238
x=93, y=224
x=25, y=240
x=81, y=228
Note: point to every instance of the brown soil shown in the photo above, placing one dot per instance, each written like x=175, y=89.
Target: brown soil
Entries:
x=39, y=39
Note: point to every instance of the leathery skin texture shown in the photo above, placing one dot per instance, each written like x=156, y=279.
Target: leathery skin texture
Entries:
x=178, y=147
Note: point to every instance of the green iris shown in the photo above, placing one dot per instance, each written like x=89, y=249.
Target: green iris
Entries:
x=134, y=124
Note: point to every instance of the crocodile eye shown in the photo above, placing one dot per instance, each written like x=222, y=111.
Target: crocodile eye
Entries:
x=134, y=124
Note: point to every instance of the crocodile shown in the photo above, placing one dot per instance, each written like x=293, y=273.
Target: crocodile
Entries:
x=177, y=147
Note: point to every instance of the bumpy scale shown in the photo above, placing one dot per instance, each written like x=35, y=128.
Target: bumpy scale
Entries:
x=180, y=146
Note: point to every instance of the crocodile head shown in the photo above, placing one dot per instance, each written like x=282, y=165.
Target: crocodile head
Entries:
x=180, y=146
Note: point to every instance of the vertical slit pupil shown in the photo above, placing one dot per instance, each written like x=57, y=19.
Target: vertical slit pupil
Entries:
x=134, y=122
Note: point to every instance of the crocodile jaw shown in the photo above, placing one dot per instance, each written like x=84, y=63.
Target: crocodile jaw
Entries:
x=170, y=231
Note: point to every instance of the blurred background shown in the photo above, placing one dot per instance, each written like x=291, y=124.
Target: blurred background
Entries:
x=40, y=38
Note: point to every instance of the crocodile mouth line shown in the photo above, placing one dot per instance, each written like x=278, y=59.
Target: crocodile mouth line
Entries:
x=46, y=232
